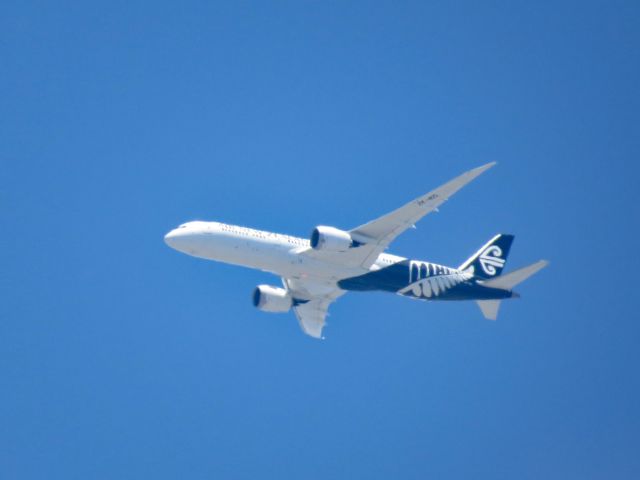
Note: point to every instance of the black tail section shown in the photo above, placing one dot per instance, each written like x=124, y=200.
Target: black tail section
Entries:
x=489, y=261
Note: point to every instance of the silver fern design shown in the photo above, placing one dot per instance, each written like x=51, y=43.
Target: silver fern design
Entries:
x=490, y=259
x=435, y=286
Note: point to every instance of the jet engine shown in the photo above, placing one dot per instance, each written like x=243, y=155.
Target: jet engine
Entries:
x=272, y=299
x=331, y=239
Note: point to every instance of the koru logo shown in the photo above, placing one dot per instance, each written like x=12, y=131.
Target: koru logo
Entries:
x=490, y=259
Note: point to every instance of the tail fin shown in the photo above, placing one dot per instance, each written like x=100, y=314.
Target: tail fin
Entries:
x=489, y=261
x=490, y=308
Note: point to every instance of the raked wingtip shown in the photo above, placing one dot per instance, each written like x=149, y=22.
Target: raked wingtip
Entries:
x=487, y=166
x=479, y=170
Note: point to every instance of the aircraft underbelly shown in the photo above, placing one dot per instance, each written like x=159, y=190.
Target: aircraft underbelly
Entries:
x=274, y=257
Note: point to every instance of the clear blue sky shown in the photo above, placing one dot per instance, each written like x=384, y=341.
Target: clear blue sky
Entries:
x=122, y=359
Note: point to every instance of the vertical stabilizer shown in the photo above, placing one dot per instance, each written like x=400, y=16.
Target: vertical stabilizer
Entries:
x=489, y=261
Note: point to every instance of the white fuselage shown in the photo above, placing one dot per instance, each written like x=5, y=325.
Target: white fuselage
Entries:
x=271, y=252
x=315, y=272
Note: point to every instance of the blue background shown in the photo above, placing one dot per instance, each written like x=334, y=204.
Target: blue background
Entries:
x=121, y=358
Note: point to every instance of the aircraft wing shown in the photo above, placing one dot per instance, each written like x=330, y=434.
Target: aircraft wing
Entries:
x=376, y=235
x=313, y=300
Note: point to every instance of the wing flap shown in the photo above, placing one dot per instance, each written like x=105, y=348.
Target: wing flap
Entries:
x=313, y=299
x=312, y=317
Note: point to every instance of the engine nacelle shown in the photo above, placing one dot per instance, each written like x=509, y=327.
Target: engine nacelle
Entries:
x=330, y=238
x=272, y=299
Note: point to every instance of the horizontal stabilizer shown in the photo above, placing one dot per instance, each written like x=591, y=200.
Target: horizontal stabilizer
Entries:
x=489, y=308
x=511, y=279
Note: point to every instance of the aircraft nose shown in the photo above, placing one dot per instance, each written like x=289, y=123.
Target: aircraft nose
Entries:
x=170, y=238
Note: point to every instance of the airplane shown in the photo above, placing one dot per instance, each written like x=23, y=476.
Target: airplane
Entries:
x=317, y=271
